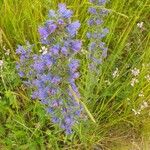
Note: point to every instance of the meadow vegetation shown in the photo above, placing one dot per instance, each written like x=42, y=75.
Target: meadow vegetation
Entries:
x=118, y=99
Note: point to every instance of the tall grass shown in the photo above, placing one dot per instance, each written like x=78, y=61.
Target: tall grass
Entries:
x=23, y=122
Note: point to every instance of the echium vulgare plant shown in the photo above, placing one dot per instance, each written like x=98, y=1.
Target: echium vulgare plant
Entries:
x=96, y=32
x=51, y=74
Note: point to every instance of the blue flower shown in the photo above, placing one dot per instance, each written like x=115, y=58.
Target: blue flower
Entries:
x=51, y=28
x=95, y=35
x=50, y=75
x=76, y=45
x=55, y=49
x=64, y=50
x=55, y=80
x=73, y=65
x=63, y=11
x=43, y=32
x=92, y=10
x=72, y=28
x=39, y=66
x=60, y=22
x=20, y=50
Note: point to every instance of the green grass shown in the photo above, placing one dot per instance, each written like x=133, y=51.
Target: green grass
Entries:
x=23, y=122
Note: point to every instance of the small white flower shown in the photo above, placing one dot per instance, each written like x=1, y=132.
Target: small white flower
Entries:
x=1, y=63
x=140, y=25
x=145, y=104
x=43, y=50
x=134, y=81
x=138, y=112
x=107, y=82
x=115, y=73
x=141, y=94
x=147, y=77
x=135, y=72
x=7, y=52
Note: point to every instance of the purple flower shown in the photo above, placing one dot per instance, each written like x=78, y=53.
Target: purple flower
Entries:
x=34, y=95
x=88, y=35
x=75, y=75
x=47, y=59
x=55, y=120
x=102, y=2
x=90, y=22
x=50, y=110
x=73, y=27
x=43, y=32
x=99, y=22
x=42, y=93
x=51, y=27
x=60, y=22
x=55, y=49
x=96, y=35
x=64, y=50
x=21, y=73
x=103, y=12
x=76, y=45
x=92, y=10
x=39, y=66
x=53, y=71
x=74, y=64
x=20, y=50
x=92, y=46
x=68, y=131
x=44, y=101
x=63, y=11
x=105, y=31
x=69, y=121
x=55, y=80
x=52, y=13
x=45, y=78
x=37, y=83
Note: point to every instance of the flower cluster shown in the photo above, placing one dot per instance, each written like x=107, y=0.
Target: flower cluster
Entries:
x=51, y=74
x=143, y=106
x=97, y=48
x=115, y=73
x=135, y=72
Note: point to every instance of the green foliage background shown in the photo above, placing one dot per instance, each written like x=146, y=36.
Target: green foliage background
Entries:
x=23, y=122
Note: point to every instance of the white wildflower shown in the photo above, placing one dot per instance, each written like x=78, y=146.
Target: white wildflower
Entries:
x=147, y=77
x=145, y=104
x=107, y=82
x=134, y=81
x=1, y=63
x=138, y=112
x=140, y=24
x=115, y=73
x=141, y=94
x=135, y=72
x=43, y=50
x=7, y=52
